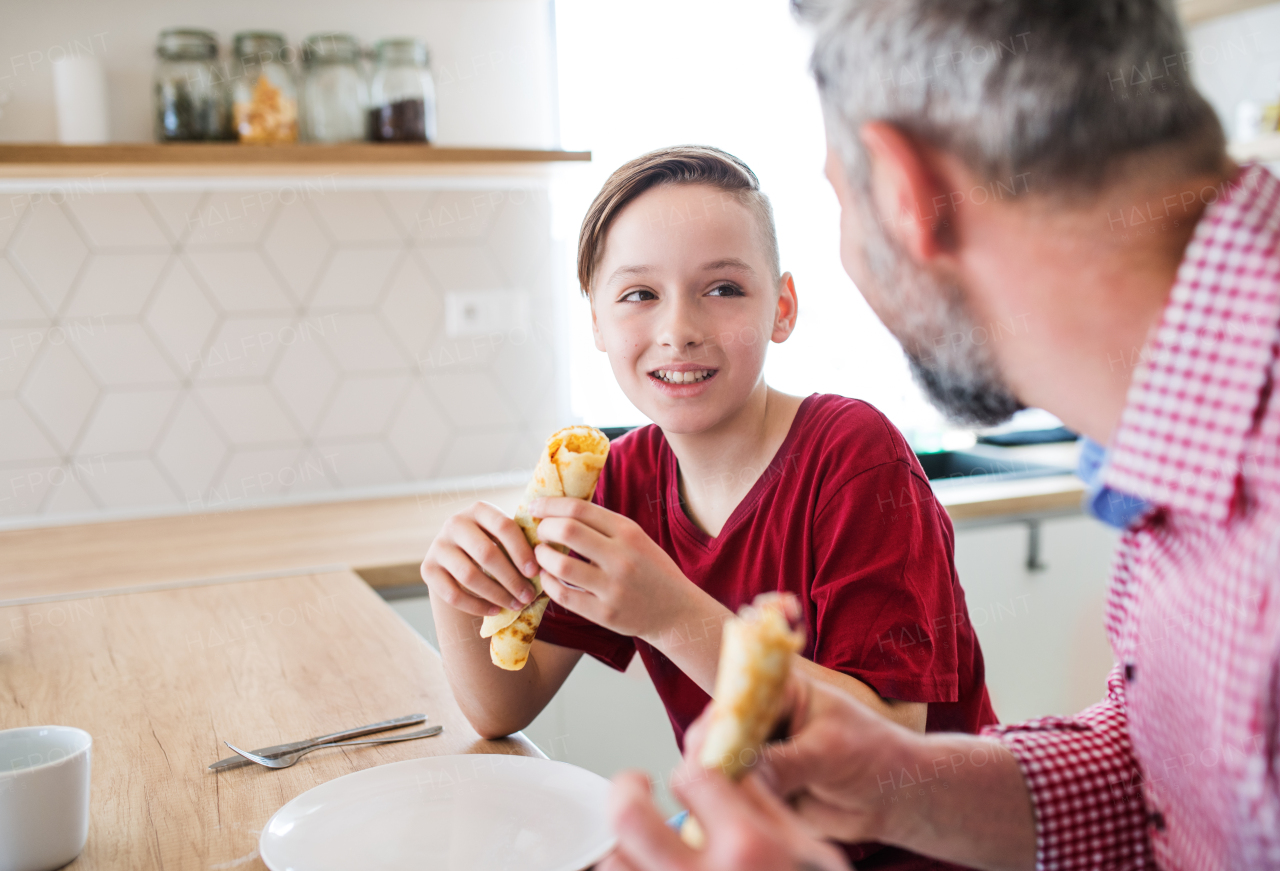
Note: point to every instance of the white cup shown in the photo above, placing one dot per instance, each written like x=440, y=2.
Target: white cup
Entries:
x=44, y=796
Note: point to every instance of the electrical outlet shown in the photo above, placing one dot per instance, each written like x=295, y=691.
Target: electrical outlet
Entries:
x=484, y=312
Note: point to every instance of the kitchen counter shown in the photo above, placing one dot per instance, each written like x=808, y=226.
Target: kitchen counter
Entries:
x=382, y=539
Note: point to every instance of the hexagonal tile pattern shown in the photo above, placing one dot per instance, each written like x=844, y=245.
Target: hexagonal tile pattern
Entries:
x=17, y=350
x=116, y=220
x=248, y=414
x=244, y=348
x=355, y=277
x=419, y=433
x=361, y=343
x=23, y=440
x=362, y=464
x=182, y=317
x=123, y=355
x=191, y=451
x=352, y=217
x=115, y=285
x=257, y=473
x=17, y=302
x=232, y=217
x=471, y=400
x=298, y=247
x=304, y=380
x=462, y=267
x=130, y=483
x=127, y=422
x=69, y=497
x=363, y=406
x=514, y=239
x=50, y=251
x=477, y=453
x=214, y=349
x=179, y=211
x=60, y=392
x=413, y=309
x=240, y=281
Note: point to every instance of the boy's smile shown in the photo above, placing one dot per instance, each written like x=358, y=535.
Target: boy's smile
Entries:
x=687, y=303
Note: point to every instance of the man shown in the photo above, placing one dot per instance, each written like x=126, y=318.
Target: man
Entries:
x=1048, y=163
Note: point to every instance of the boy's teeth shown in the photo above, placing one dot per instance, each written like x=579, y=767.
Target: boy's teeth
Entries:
x=683, y=377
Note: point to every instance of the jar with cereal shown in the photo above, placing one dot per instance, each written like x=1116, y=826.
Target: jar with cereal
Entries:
x=265, y=104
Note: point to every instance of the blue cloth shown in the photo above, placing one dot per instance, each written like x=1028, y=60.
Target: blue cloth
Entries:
x=1112, y=507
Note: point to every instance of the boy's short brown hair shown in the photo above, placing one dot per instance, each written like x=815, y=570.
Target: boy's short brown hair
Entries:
x=679, y=164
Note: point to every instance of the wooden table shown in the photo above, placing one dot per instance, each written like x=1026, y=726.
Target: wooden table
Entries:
x=161, y=678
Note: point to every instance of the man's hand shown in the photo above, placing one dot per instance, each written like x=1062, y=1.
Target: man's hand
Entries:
x=630, y=585
x=747, y=828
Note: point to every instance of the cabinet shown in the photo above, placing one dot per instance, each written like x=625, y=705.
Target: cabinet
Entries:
x=1041, y=630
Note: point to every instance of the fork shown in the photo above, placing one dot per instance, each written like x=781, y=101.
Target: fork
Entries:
x=292, y=758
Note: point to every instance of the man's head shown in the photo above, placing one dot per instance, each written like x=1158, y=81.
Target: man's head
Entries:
x=1052, y=97
x=680, y=261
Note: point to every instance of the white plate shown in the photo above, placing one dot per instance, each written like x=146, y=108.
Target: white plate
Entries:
x=472, y=812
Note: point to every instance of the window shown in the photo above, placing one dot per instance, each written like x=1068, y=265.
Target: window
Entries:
x=731, y=73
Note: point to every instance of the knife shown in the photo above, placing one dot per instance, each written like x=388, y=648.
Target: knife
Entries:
x=279, y=749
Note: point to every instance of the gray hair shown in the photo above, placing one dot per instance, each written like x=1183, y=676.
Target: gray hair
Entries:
x=1061, y=90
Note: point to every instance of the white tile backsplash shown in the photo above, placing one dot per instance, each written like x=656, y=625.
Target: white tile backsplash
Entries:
x=49, y=250
x=169, y=348
x=117, y=220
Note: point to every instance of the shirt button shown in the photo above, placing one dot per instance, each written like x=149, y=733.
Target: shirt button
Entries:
x=1156, y=821
x=1129, y=671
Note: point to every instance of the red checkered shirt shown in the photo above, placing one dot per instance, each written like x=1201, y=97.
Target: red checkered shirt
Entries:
x=1179, y=767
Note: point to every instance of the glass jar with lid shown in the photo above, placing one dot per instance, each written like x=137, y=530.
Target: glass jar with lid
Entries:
x=265, y=104
x=335, y=95
x=403, y=93
x=191, y=101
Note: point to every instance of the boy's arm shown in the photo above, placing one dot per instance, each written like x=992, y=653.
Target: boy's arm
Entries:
x=470, y=570
x=631, y=586
x=495, y=701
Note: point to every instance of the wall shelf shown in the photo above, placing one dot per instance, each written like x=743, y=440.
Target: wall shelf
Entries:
x=48, y=160
x=1196, y=11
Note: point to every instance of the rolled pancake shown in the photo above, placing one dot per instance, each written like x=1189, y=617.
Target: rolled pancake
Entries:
x=755, y=660
x=569, y=466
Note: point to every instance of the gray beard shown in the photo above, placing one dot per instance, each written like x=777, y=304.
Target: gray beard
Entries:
x=960, y=378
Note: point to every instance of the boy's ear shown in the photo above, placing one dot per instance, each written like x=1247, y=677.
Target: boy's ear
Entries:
x=784, y=318
x=909, y=194
x=595, y=327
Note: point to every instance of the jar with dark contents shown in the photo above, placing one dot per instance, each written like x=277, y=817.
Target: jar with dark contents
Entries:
x=191, y=99
x=403, y=93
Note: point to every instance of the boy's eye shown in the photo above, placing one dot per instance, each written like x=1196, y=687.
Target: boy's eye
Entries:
x=726, y=290
x=638, y=296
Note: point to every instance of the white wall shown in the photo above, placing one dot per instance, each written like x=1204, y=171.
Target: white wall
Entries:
x=493, y=59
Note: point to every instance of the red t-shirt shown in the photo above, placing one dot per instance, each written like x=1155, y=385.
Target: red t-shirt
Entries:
x=844, y=518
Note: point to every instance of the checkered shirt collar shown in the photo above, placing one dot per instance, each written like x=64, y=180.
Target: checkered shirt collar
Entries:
x=1192, y=404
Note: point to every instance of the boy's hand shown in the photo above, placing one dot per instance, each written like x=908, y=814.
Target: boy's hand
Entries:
x=630, y=584
x=467, y=567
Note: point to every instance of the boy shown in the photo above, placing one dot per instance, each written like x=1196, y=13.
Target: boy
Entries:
x=735, y=489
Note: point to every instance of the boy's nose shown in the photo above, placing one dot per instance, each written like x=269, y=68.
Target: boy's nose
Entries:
x=680, y=330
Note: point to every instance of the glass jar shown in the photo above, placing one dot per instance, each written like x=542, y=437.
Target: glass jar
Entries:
x=403, y=93
x=335, y=96
x=265, y=103
x=191, y=102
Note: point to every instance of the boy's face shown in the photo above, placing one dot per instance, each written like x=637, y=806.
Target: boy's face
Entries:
x=685, y=303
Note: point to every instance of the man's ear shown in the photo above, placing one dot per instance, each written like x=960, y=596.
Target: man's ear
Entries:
x=909, y=196
x=595, y=327
x=784, y=318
